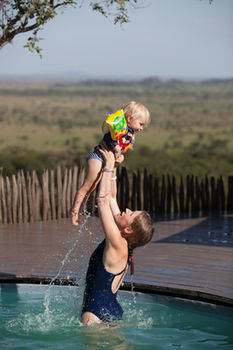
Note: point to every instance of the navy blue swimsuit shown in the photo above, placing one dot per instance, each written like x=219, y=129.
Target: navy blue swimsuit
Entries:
x=98, y=297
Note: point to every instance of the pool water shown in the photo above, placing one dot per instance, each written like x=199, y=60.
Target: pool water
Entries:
x=48, y=317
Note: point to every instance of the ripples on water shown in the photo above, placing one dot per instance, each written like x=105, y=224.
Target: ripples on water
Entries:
x=149, y=322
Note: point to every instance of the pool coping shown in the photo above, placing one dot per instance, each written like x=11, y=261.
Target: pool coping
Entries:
x=136, y=287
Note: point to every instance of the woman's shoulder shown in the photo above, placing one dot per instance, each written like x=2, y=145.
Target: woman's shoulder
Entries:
x=119, y=245
x=115, y=257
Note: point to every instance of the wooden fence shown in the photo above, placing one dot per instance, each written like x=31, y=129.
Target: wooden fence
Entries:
x=28, y=198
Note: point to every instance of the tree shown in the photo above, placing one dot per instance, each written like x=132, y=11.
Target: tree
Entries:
x=20, y=16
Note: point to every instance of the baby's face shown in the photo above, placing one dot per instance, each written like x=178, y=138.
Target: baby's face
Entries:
x=137, y=124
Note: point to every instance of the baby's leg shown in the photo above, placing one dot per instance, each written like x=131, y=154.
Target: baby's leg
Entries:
x=93, y=172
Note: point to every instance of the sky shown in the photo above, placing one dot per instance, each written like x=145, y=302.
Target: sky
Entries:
x=186, y=39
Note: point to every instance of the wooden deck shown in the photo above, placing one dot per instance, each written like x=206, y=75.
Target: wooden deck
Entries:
x=187, y=257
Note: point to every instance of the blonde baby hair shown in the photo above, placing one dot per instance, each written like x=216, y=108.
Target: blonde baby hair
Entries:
x=136, y=110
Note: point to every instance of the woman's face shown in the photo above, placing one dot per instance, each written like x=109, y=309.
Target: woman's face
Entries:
x=126, y=218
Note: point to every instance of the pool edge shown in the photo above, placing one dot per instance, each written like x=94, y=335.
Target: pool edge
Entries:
x=137, y=287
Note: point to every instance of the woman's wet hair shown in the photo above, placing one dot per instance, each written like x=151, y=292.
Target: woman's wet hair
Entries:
x=142, y=234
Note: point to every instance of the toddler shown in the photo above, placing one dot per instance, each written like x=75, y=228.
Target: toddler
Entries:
x=123, y=125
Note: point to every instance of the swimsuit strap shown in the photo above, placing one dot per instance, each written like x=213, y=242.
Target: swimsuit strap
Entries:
x=119, y=273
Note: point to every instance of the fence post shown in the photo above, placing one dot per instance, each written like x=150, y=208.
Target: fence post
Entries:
x=9, y=203
x=187, y=194
x=197, y=195
x=230, y=193
x=4, y=207
x=139, y=206
x=29, y=188
x=133, y=192
x=68, y=193
x=25, y=199
x=64, y=188
x=207, y=194
x=174, y=195
x=192, y=193
x=20, y=200
x=0, y=204
x=52, y=190
x=145, y=189
x=156, y=195
x=14, y=198
x=169, y=195
x=37, y=189
x=74, y=183
x=181, y=195
x=121, y=190
x=45, y=192
x=59, y=193
x=221, y=192
x=150, y=189
x=213, y=193
x=163, y=196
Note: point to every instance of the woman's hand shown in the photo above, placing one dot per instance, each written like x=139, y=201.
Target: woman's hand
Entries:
x=119, y=160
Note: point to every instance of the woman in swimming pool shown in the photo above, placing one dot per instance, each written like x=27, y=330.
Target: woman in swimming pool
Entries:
x=109, y=262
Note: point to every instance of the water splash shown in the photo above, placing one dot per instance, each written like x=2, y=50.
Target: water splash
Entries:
x=132, y=289
x=50, y=317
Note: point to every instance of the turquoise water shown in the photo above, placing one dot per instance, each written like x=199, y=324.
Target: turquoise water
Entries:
x=47, y=317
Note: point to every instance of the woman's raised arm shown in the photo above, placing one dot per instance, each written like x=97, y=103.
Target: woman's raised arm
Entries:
x=107, y=205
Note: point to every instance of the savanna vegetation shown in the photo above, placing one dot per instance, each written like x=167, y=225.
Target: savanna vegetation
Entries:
x=45, y=124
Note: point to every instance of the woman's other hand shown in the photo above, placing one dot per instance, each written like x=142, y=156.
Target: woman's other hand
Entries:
x=108, y=156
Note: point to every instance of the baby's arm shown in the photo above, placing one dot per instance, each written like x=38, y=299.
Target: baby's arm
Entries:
x=118, y=155
x=117, y=151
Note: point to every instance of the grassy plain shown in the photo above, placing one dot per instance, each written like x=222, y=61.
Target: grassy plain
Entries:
x=43, y=124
